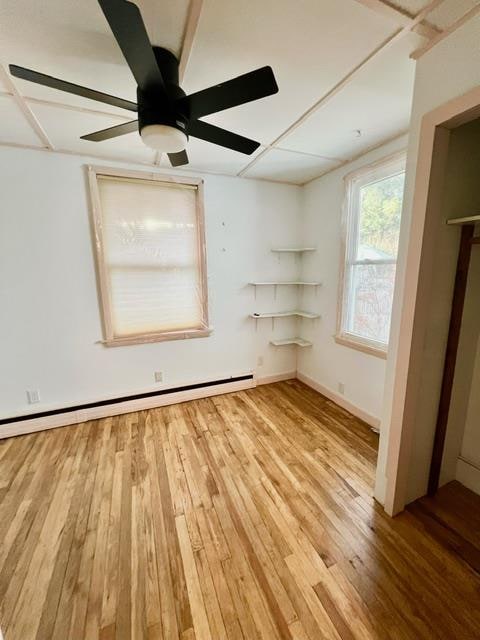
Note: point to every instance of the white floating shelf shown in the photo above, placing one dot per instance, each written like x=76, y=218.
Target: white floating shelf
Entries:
x=292, y=249
x=300, y=342
x=290, y=282
x=285, y=314
x=467, y=220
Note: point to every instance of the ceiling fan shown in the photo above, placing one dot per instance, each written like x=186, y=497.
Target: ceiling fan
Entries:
x=166, y=115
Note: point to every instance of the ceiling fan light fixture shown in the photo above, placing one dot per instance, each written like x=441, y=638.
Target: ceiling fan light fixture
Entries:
x=162, y=137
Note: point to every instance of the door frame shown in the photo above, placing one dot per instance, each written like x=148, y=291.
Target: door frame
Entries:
x=430, y=171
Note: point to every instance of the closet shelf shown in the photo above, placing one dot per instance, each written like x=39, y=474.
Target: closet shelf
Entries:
x=283, y=282
x=466, y=220
x=300, y=342
x=285, y=314
x=292, y=249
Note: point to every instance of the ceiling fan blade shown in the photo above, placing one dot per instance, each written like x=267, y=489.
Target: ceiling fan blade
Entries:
x=178, y=159
x=69, y=87
x=127, y=25
x=250, y=86
x=211, y=133
x=112, y=132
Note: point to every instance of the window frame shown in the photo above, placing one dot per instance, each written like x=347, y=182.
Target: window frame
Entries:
x=103, y=288
x=350, y=227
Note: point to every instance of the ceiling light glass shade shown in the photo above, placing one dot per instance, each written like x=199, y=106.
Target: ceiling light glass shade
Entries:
x=161, y=137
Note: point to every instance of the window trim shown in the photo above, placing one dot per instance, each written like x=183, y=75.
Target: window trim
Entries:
x=371, y=347
x=103, y=288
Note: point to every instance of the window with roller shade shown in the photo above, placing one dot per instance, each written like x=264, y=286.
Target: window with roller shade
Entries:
x=150, y=243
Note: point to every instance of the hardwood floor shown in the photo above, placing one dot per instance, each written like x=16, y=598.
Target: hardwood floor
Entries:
x=453, y=518
x=247, y=515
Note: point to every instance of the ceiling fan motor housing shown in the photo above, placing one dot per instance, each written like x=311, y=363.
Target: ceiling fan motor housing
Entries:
x=152, y=106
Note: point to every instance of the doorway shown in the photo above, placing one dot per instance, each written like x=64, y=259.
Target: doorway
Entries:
x=446, y=187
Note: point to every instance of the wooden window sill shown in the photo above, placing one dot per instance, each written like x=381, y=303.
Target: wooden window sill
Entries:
x=158, y=337
x=361, y=346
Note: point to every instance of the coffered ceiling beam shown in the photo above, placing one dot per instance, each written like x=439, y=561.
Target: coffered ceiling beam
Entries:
x=76, y=108
x=25, y=109
x=401, y=17
x=418, y=53
x=191, y=25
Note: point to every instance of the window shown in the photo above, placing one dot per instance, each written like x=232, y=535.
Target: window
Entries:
x=149, y=238
x=373, y=212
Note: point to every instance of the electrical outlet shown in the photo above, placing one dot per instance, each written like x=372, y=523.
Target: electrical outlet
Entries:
x=158, y=376
x=33, y=396
x=341, y=388
x=260, y=361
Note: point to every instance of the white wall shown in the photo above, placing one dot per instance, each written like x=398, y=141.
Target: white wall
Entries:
x=50, y=321
x=448, y=70
x=328, y=363
x=471, y=439
x=468, y=464
x=49, y=315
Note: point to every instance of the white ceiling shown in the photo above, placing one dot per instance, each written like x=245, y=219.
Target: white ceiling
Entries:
x=295, y=38
x=312, y=45
x=449, y=12
x=373, y=107
x=287, y=166
x=442, y=16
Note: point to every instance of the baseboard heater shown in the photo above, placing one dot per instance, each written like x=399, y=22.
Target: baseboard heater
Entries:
x=110, y=401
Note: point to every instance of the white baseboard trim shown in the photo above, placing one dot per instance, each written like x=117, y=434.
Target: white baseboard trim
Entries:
x=82, y=415
x=468, y=474
x=94, y=413
x=373, y=421
x=278, y=377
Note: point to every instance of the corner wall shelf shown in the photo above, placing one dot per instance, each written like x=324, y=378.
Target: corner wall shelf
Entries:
x=281, y=283
x=299, y=342
x=285, y=314
x=292, y=249
x=297, y=281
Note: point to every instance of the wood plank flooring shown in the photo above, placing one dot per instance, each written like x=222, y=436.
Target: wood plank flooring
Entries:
x=453, y=517
x=244, y=516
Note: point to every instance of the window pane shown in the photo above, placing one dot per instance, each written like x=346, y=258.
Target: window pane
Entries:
x=149, y=300
x=370, y=301
x=380, y=213
x=150, y=244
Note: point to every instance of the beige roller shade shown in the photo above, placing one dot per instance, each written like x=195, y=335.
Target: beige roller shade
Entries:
x=150, y=237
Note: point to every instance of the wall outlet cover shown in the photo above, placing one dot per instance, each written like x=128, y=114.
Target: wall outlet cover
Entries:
x=33, y=396
x=341, y=388
x=158, y=376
